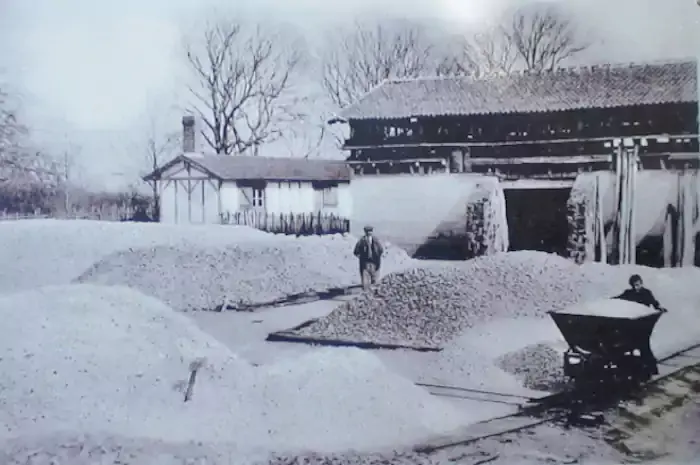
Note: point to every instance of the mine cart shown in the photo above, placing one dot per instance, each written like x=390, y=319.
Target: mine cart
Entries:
x=607, y=352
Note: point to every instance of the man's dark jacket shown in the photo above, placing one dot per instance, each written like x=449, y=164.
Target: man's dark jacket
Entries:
x=642, y=296
x=363, y=252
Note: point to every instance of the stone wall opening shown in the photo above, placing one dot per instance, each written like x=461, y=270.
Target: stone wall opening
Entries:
x=537, y=219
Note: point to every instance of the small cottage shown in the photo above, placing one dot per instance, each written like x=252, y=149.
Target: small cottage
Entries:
x=199, y=188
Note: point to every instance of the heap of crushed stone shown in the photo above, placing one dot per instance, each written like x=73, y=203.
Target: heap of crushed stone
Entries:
x=429, y=306
x=351, y=458
x=537, y=366
x=86, y=358
x=196, y=277
x=109, y=361
x=610, y=308
x=471, y=359
x=465, y=360
x=47, y=252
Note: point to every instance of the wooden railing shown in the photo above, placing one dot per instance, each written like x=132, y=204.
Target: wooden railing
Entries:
x=300, y=224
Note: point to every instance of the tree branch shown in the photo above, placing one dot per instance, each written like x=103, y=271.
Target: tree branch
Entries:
x=544, y=38
x=243, y=78
x=358, y=59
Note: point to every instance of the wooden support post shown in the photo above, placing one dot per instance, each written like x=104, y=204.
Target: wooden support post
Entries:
x=600, y=242
x=626, y=173
x=617, y=247
x=177, y=218
x=687, y=226
x=633, y=168
x=631, y=196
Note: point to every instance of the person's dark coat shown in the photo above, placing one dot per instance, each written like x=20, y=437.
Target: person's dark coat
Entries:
x=643, y=296
x=368, y=254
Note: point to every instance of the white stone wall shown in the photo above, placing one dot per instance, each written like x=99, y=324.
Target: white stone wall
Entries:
x=408, y=210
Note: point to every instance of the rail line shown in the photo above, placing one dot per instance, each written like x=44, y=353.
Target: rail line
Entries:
x=555, y=407
x=480, y=395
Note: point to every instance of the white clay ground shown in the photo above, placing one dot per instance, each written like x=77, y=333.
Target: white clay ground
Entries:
x=94, y=374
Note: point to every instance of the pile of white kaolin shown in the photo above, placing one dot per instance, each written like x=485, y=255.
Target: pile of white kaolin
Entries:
x=199, y=276
x=537, y=367
x=54, y=252
x=67, y=449
x=473, y=359
x=431, y=305
x=111, y=362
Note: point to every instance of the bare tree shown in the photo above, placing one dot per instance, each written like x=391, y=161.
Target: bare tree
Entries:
x=19, y=162
x=159, y=146
x=65, y=175
x=484, y=54
x=534, y=38
x=10, y=133
x=543, y=37
x=243, y=86
x=362, y=57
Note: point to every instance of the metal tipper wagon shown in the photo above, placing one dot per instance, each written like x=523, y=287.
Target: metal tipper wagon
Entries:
x=607, y=350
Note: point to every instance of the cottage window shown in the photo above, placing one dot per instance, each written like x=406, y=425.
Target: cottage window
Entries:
x=258, y=197
x=330, y=197
x=252, y=195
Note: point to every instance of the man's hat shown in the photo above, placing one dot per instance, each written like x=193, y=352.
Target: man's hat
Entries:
x=369, y=228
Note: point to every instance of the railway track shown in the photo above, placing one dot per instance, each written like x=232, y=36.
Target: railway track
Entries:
x=534, y=412
x=457, y=392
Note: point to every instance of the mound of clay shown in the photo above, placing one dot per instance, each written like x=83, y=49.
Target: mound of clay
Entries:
x=54, y=252
x=196, y=277
x=110, y=361
x=88, y=358
x=538, y=367
x=428, y=306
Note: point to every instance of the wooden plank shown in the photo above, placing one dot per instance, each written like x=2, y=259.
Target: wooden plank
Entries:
x=537, y=184
x=575, y=159
x=398, y=160
x=295, y=299
x=287, y=336
x=524, y=142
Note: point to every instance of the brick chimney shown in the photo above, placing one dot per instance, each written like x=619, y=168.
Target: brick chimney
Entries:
x=188, y=134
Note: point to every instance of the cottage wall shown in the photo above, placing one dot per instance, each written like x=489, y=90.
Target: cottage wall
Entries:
x=411, y=211
x=188, y=196
x=168, y=213
x=290, y=197
x=230, y=197
x=286, y=197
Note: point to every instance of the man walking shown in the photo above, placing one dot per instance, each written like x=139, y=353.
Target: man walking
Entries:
x=369, y=251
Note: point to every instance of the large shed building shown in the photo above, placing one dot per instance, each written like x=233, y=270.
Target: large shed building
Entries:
x=536, y=132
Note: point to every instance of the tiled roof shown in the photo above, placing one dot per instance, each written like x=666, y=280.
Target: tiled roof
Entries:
x=231, y=168
x=563, y=89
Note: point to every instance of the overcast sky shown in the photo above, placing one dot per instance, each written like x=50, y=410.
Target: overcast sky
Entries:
x=91, y=71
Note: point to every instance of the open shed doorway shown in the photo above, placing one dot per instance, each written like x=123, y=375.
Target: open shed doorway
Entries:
x=537, y=219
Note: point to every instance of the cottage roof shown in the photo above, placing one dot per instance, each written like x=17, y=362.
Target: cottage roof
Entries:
x=239, y=167
x=604, y=86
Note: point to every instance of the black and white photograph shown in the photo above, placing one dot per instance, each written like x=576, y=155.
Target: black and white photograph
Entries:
x=445, y=232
